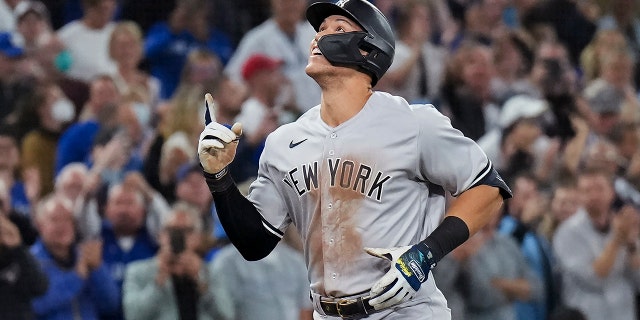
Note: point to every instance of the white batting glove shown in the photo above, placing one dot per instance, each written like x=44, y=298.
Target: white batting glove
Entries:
x=410, y=266
x=217, y=144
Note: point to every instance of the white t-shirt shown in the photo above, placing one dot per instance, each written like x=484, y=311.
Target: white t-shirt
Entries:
x=7, y=19
x=89, y=49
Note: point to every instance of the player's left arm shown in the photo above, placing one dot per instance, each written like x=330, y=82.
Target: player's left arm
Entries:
x=480, y=193
x=479, y=204
x=471, y=211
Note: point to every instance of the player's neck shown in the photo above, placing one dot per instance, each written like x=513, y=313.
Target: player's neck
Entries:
x=341, y=103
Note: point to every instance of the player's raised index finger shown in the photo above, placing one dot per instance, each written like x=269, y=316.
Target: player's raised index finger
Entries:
x=210, y=109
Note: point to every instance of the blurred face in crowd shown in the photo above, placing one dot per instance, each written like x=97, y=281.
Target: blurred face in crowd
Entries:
x=50, y=48
x=230, y=96
x=193, y=190
x=421, y=21
x=127, y=119
x=100, y=13
x=386, y=5
x=617, y=68
x=9, y=155
x=125, y=210
x=508, y=59
x=12, y=3
x=603, y=155
x=51, y=117
x=524, y=189
x=477, y=69
x=71, y=183
x=552, y=52
x=526, y=132
x=605, y=122
x=288, y=12
x=607, y=40
x=183, y=222
x=597, y=193
x=31, y=26
x=565, y=202
x=103, y=92
x=204, y=70
x=199, y=24
x=417, y=27
x=492, y=10
x=56, y=224
x=126, y=47
x=271, y=81
x=629, y=143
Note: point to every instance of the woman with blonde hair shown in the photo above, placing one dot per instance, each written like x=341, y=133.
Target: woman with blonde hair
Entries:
x=135, y=86
x=591, y=56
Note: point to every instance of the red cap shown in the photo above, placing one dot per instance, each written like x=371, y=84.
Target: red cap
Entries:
x=257, y=63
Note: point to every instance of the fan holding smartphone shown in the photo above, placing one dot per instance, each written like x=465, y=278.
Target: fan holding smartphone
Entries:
x=177, y=274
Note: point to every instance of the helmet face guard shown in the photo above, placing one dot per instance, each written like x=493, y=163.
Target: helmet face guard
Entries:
x=344, y=49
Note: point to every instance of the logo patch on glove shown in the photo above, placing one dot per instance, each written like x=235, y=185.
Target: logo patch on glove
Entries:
x=410, y=264
x=417, y=270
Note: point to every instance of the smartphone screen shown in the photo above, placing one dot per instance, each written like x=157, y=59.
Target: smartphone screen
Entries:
x=177, y=241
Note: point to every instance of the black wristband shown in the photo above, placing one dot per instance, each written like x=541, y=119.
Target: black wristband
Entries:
x=451, y=233
x=220, y=181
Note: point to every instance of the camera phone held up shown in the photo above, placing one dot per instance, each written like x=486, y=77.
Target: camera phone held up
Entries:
x=557, y=90
x=177, y=241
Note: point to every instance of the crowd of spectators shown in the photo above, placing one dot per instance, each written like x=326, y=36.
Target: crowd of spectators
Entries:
x=104, y=212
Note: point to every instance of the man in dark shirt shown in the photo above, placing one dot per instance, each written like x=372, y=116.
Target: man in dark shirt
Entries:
x=21, y=278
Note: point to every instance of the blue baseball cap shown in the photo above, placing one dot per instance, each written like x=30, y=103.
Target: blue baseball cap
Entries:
x=7, y=48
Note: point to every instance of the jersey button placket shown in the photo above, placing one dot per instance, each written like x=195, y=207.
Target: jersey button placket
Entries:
x=329, y=238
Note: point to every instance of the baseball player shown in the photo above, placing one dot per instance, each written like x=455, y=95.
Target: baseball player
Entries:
x=362, y=176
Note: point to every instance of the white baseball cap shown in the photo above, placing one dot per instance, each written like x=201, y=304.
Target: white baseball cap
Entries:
x=27, y=6
x=521, y=107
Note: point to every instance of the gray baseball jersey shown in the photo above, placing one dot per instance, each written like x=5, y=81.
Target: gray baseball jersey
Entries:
x=377, y=180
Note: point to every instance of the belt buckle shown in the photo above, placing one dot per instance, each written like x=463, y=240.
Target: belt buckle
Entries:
x=339, y=304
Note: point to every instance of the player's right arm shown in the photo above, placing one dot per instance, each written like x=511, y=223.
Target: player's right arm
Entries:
x=242, y=222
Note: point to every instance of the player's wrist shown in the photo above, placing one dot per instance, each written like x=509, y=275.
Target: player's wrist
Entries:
x=215, y=175
x=220, y=181
x=450, y=234
x=427, y=259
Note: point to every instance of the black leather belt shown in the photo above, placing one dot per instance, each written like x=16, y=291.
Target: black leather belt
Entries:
x=347, y=308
